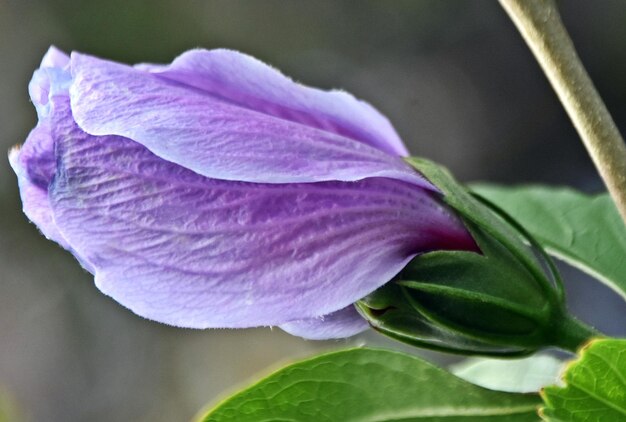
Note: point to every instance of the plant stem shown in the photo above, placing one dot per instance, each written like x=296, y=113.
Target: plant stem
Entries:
x=541, y=27
x=570, y=333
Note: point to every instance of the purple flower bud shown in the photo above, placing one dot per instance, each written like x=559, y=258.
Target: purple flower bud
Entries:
x=216, y=192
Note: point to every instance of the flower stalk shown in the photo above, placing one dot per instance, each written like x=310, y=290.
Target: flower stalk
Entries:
x=541, y=27
x=571, y=334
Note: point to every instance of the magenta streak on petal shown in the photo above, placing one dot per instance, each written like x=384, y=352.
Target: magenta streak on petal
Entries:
x=186, y=250
x=250, y=83
x=216, y=138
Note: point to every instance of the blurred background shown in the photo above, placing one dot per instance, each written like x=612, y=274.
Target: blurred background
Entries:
x=455, y=79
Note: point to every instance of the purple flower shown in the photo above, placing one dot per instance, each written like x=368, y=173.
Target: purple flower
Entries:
x=216, y=192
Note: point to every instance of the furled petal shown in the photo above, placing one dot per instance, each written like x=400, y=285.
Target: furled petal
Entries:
x=46, y=83
x=33, y=164
x=186, y=250
x=340, y=324
x=55, y=58
x=50, y=79
x=250, y=83
x=218, y=137
x=35, y=160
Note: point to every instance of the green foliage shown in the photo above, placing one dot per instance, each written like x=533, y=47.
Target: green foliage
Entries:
x=595, y=388
x=525, y=375
x=585, y=231
x=370, y=385
x=498, y=302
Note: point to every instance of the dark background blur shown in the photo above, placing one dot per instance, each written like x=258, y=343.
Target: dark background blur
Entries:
x=453, y=76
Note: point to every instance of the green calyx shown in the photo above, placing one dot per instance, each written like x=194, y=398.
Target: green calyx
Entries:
x=506, y=300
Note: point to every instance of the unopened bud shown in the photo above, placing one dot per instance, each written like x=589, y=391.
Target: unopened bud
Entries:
x=501, y=300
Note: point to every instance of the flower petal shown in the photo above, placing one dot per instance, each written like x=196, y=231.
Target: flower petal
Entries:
x=250, y=83
x=343, y=323
x=36, y=206
x=46, y=83
x=34, y=162
x=51, y=78
x=34, y=166
x=55, y=58
x=186, y=250
x=215, y=136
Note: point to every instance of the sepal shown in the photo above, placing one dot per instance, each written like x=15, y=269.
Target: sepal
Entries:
x=505, y=299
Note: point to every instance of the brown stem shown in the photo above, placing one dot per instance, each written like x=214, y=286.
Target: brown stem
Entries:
x=540, y=24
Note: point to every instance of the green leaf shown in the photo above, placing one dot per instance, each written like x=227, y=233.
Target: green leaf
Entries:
x=513, y=375
x=373, y=386
x=595, y=386
x=585, y=231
